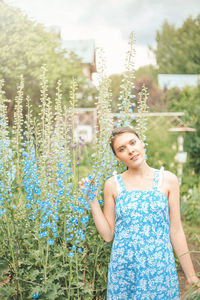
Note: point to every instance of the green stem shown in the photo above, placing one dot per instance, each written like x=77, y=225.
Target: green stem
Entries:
x=46, y=261
x=13, y=258
x=64, y=246
x=70, y=279
x=77, y=275
x=95, y=265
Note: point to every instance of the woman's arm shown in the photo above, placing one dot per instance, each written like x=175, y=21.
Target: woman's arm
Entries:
x=177, y=235
x=105, y=221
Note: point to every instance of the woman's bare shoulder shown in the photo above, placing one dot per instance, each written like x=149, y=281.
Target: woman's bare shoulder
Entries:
x=170, y=177
x=110, y=182
x=110, y=186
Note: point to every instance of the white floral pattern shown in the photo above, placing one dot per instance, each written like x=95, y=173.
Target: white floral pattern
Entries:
x=142, y=265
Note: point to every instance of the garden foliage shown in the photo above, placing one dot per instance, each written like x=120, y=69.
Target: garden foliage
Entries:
x=27, y=45
x=49, y=245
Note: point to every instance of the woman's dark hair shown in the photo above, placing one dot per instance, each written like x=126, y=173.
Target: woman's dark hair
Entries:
x=117, y=131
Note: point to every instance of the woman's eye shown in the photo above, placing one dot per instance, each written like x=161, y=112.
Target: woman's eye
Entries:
x=133, y=142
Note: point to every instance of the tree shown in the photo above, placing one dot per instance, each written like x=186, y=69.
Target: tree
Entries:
x=178, y=50
x=146, y=75
x=147, y=71
x=187, y=100
x=156, y=102
x=25, y=47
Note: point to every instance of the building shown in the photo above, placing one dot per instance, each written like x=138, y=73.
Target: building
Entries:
x=85, y=50
x=178, y=80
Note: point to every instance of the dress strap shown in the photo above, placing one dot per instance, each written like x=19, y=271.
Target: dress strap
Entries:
x=158, y=178
x=119, y=183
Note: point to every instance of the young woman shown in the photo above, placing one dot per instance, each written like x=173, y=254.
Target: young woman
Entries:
x=142, y=215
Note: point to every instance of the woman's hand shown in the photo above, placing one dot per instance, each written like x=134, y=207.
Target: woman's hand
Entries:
x=192, y=280
x=89, y=188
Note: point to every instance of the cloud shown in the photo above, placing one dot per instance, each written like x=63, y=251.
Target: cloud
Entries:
x=110, y=22
x=143, y=16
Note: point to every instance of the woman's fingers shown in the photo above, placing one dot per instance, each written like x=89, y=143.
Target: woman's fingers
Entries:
x=89, y=188
x=83, y=180
x=88, y=181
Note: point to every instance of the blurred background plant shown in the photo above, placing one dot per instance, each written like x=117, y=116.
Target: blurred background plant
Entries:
x=25, y=47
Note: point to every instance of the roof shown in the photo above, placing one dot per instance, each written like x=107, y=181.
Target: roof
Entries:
x=84, y=49
x=178, y=80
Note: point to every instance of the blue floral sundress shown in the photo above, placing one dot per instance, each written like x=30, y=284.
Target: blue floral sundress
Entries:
x=142, y=265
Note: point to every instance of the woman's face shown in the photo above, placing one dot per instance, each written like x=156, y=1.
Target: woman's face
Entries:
x=129, y=149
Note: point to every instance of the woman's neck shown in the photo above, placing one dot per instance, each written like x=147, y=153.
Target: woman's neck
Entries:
x=140, y=171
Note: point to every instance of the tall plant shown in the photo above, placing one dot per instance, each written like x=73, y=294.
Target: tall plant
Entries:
x=54, y=249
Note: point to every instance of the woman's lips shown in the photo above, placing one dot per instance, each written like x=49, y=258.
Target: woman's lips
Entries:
x=134, y=157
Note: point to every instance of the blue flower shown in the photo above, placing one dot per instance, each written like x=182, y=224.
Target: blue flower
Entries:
x=44, y=219
x=71, y=254
x=80, y=231
x=80, y=250
x=43, y=225
x=35, y=296
x=74, y=247
x=84, y=191
x=36, y=190
x=126, y=123
x=68, y=239
x=84, y=220
x=82, y=237
x=48, y=224
x=50, y=242
x=91, y=196
x=54, y=228
x=86, y=184
x=74, y=221
x=90, y=177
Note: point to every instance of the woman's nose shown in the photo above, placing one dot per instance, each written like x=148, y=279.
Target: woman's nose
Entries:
x=130, y=149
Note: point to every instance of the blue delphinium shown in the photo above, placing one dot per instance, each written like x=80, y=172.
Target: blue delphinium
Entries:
x=71, y=254
x=36, y=295
x=49, y=206
x=30, y=180
x=7, y=170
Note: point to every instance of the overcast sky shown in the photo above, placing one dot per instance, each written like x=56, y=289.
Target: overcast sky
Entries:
x=109, y=22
